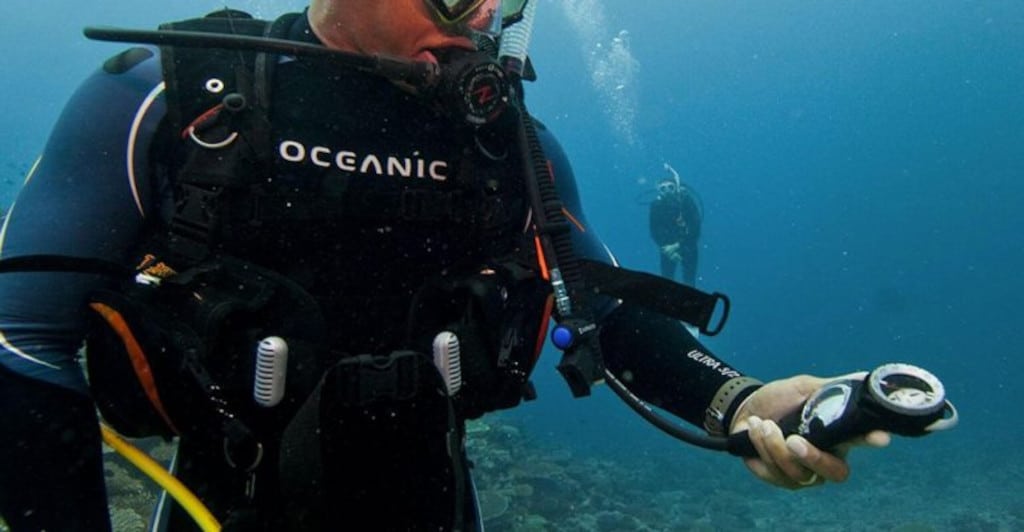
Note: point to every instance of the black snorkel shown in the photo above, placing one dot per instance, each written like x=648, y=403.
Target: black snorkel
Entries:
x=419, y=74
x=472, y=86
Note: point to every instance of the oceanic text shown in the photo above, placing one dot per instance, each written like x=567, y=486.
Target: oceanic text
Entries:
x=367, y=164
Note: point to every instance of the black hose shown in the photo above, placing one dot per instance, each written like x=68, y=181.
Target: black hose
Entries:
x=670, y=428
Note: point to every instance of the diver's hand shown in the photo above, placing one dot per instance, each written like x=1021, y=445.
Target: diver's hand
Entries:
x=792, y=462
x=672, y=252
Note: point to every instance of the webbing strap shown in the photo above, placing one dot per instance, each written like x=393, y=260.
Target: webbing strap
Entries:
x=210, y=173
x=658, y=294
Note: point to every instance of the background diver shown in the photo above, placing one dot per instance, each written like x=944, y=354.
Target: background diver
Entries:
x=675, y=224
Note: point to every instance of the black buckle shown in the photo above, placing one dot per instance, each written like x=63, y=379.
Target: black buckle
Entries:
x=197, y=208
x=194, y=221
x=366, y=379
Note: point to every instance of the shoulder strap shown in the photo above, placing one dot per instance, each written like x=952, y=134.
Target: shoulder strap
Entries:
x=189, y=73
x=218, y=103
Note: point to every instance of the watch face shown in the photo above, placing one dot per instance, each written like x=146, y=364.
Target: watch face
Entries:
x=907, y=389
x=826, y=405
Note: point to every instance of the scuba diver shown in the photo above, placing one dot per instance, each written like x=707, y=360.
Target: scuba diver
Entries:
x=675, y=220
x=309, y=252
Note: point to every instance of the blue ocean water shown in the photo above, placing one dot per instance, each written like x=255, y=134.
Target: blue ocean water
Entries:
x=861, y=168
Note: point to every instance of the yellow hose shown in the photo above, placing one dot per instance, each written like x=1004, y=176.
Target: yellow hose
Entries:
x=202, y=516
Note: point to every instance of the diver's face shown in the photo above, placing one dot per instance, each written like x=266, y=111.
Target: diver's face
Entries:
x=408, y=28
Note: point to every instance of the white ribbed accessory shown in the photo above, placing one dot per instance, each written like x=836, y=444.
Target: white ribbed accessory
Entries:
x=446, y=358
x=271, y=369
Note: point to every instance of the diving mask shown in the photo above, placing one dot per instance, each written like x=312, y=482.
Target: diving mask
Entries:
x=465, y=17
x=667, y=188
x=480, y=16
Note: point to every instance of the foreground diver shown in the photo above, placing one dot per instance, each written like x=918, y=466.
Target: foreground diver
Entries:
x=332, y=271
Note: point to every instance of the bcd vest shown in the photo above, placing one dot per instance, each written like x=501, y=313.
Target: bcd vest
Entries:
x=312, y=235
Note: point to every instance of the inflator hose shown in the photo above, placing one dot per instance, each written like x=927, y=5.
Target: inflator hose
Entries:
x=149, y=467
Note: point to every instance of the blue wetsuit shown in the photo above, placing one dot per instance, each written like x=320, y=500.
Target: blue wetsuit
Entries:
x=98, y=187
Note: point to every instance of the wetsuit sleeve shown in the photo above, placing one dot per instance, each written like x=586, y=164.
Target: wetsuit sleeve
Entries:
x=585, y=240
x=86, y=196
x=655, y=356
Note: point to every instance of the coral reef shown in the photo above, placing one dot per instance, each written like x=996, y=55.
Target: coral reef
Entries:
x=527, y=482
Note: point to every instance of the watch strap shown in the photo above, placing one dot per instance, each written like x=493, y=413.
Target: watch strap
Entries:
x=725, y=403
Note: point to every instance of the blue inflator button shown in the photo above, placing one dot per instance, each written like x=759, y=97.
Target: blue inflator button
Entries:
x=562, y=337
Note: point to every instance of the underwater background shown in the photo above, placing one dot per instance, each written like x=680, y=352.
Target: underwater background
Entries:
x=860, y=165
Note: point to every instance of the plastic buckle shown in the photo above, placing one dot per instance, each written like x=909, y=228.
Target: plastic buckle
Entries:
x=366, y=379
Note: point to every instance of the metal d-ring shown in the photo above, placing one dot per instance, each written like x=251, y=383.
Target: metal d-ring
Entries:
x=255, y=461
x=212, y=145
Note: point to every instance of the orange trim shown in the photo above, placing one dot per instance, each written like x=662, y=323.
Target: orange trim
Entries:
x=137, y=357
x=542, y=335
x=541, y=261
x=574, y=220
x=551, y=170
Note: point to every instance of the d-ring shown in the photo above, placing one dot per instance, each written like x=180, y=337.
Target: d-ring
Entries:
x=256, y=460
x=211, y=145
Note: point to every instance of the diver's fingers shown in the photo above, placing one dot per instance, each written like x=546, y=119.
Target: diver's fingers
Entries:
x=874, y=439
x=824, y=465
x=877, y=439
x=776, y=464
x=763, y=472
